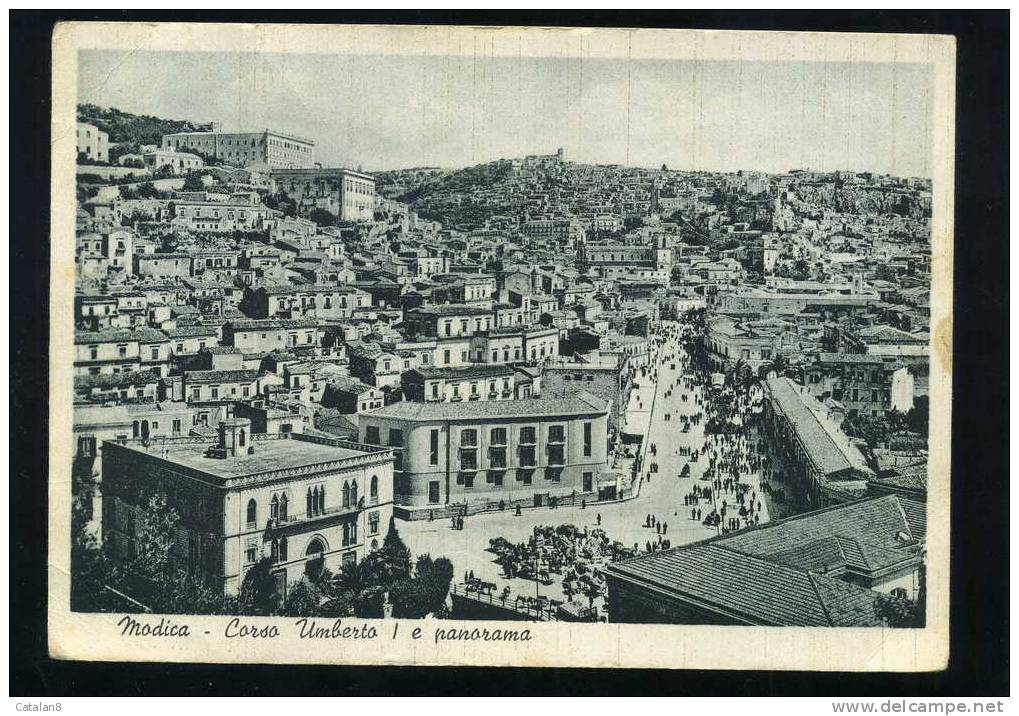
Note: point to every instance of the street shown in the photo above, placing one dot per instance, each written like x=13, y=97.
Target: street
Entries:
x=660, y=494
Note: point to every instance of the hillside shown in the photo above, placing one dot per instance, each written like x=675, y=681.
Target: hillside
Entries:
x=127, y=128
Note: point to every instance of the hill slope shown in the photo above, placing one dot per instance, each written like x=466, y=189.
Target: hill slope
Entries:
x=127, y=128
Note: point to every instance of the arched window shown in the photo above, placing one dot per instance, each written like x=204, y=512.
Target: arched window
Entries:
x=346, y=533
x=283, y=549
x=375, y=544
x=274, y=508
x=240, y=438
x=353, y=493
x=346, y=495
x=310, y=506
x=314, y=557
x=134, y=429
x=322, y=498
x=373, y=487
x=283, y=506
x=252, y=512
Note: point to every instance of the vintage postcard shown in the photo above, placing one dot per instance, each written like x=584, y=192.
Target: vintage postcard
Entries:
x=501, y=346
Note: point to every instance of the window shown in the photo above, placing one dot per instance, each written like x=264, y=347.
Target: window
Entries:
x=373, y=523
x=498, y=436
x=556, y=434
x=527, y=435
x=496, y=477
x=556, y=455
x=554, y=474
x=395, y=438
x=527, y=456
x=433, y=492
x=251, y=552
x=469, y=459
x=155, y=354
x=497, y=456
x=435, y=391
x=433, y=448
x=252, y=513
x=469, y=437
x=346, y=494
x=588, y=480
x=587, y=439
x=525, y=476
x=466, y=479
x=282, y=549
x=122, y=351
x=371, y=435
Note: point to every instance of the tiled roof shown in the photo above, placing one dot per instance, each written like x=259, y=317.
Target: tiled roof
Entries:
x=221, y=376
x=868, y=533
x=271, y=323
x=118, y=335
x=467, y=372
x=824, y=450
x=579, y=403
x=744, y=587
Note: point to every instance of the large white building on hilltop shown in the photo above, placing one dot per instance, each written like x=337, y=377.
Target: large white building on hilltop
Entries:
x=244, y=149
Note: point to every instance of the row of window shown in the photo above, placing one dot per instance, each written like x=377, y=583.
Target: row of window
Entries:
x=315, y=501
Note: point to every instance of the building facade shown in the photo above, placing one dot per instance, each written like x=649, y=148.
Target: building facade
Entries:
x=242, y=149
x=93, y=143
x=348, y=194
x=456, y=458
x=305, y=503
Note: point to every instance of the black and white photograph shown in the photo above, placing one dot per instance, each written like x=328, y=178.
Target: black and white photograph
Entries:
x=492, y=333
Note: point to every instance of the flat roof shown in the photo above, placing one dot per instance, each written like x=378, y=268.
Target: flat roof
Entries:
x=269, y=456
x=579, y=403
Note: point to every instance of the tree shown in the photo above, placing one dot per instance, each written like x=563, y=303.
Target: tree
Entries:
x=281, y=202
x=896, y=612
x=193, y=182
x=411, y=598
x=303, y=600
x=370, y=603
x=395, y=549
x=917, y=419
x=259, y=596
x=145, y=190
x=156, y=540
x=91, y=572
x=323, y=217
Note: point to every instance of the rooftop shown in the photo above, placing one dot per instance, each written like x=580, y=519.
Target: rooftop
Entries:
x=828, y=448
x=579, y=403
x=268, y=455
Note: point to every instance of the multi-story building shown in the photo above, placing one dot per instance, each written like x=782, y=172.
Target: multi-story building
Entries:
x=306, y=503
x=808, y=448
x=120, y=350
x=605, y=376
x=241, y=212
x=451, y=458
x=478, y=382
x=93, y=143
x=179, y=162
x=331, y=302
x=243, y=149
x=864, y=384
x=273, y=334
x=348, y=194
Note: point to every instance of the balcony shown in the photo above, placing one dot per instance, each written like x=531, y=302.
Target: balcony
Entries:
x=305, y=518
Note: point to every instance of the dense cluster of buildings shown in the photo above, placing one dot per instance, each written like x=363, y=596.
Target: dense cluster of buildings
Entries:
x=292, y=381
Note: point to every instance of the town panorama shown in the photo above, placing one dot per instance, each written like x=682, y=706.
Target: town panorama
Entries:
x=530, y=389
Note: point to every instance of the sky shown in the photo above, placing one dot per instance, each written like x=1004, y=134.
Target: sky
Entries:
x=391, y=112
